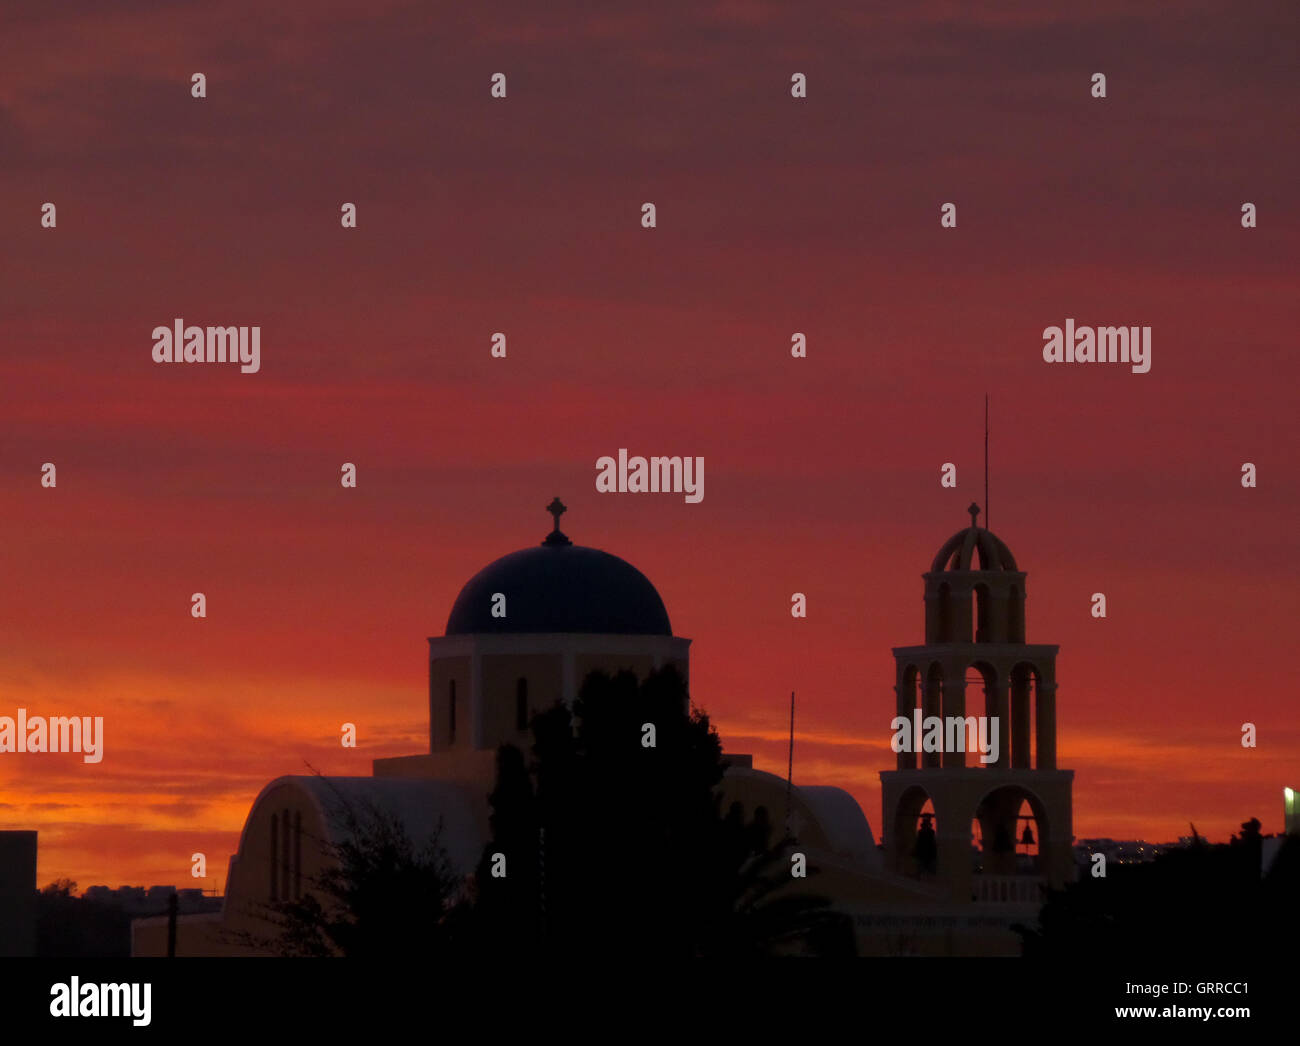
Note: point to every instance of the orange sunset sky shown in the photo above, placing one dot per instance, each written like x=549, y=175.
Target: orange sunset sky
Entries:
x=522, y=215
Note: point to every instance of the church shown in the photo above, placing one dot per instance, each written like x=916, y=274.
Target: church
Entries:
x=969, y=848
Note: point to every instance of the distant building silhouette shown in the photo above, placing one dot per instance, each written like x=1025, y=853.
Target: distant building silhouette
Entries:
x=17, y=894
x=1123, y=851
x=139, y=901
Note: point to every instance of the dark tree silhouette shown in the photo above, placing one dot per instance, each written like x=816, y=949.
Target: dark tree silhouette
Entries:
x=1196, y=900
x=380, y=895
x=507, y=908
x=613, y=846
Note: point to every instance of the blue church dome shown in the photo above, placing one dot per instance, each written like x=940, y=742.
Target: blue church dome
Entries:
x=560, y=587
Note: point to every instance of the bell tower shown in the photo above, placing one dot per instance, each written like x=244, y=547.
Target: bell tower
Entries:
x=996, y=832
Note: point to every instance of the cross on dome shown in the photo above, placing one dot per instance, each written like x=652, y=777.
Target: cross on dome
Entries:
x=556, y=508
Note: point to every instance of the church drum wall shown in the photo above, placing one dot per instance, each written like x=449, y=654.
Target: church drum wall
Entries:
x=501, y=675
x=441, y=672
